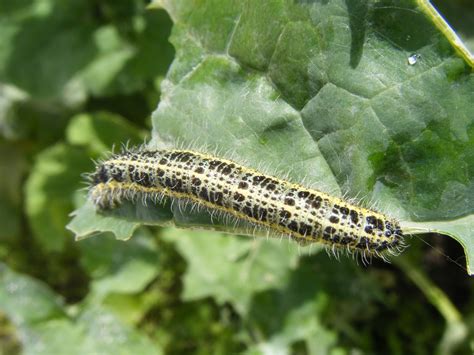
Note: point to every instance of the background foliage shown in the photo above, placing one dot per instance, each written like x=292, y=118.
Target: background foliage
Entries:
x=77, y=77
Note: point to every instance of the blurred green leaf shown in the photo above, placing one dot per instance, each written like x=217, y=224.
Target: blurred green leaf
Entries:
x=56, y=56
x=10, y=99
x=23, y=117
x=100, y=131
x=231, y=269
x=200, y=328
x=96, y=332
x=75, y=53
x=118, y=267
x=49, y=191
x=153, y=52
x=13, y=164
x=56, y=336
x=315, y=300
x=112, y=55
x=105, y=334
x=130, y=308
x=25, y=300
x=45, y=328
x=59, y=38
x=300, y=324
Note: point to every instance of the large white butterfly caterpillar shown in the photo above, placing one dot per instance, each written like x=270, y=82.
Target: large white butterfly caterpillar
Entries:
x=304, y=214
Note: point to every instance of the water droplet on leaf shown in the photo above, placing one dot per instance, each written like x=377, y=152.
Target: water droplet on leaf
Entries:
x=413, y=59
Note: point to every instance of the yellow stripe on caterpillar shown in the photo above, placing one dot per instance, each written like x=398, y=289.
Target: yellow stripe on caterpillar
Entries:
x=305, y=214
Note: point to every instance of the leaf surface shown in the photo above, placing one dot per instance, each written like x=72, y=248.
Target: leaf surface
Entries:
x=368, y=99
x=39, y=316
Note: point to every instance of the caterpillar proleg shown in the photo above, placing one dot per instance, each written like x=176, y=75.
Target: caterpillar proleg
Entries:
x=306, y=215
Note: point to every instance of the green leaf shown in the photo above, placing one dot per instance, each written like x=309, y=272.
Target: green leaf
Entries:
x=25, y=300
x=50, y=188
x=54, y=57
x=313, y=303
x=23, y=118
x=45, y=328
x=96, y=332
x=74, y=53
x=125, y=220
x=10, y=99
x=100, y=131
x=59, y=39
x=153, y=51
x=231, y=269
x=87, y=222
x=105, y=334
x=118, y=267
x=112, y=55
x=461, y=229
x=42, y=338
x=301, y=324
x=329, y=92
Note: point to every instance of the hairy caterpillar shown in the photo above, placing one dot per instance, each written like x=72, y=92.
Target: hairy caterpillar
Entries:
x=304, y=214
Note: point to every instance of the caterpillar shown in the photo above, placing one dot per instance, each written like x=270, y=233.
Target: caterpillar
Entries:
x=305, y=215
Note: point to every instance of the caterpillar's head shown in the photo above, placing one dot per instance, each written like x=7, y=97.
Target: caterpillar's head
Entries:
x=104, y=190
x=100, y=175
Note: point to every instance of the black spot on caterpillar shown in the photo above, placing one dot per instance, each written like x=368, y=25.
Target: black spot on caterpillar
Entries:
x=306, y=215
